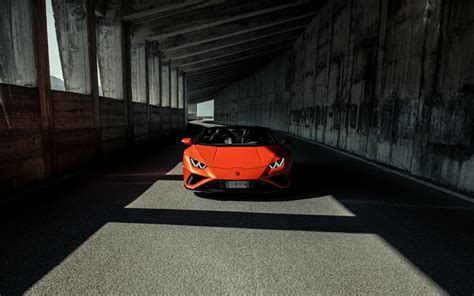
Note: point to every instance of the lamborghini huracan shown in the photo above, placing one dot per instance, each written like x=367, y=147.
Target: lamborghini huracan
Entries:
x=236, y=159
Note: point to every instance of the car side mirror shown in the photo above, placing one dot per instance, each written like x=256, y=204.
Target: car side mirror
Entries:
x=187, y=141
x=286, y=141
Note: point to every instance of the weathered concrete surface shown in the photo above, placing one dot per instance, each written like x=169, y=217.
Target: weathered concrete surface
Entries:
x=165, y=84
x=181, y=90
x=154, y=74
x=110, y=54
x=138, y=73
x=174, y=87
x=17, y=43
x=387, y=80
x=71, y=29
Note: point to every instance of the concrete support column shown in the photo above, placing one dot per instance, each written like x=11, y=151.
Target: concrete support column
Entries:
x=147, y=89
x=180, y=97
x=174, y=87
x=138, y=71
x=17, y=56
x=154, y=74
x=109, y=56
x=165, y=85
x=185, y=100
x=181, y=90
x=72, y=30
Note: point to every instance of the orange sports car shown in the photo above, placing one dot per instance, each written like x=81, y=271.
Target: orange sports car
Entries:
x=235, y=159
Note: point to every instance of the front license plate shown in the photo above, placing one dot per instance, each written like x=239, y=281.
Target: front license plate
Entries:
x=237, y=184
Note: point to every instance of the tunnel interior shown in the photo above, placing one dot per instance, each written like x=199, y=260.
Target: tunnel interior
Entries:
x=84, y=79
x=387, y=81
x=377, y=97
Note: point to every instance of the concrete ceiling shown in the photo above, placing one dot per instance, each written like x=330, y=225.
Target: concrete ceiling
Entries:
x=217, y=42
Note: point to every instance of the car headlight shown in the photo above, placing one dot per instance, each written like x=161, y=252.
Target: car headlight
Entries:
x=277, y=164
x=198, y=164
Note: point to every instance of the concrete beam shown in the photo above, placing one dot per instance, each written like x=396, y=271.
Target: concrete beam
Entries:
x=205, y=94
x=215, y=73
x=233, y=41
x=210, y=87
x=232, y=60
x=219, y=75
x=232, y=67
x=168, y=9
x=216, y=77
x=226, y=79
x=251, y=47
x=223, y=74
x=249, y=52
x=279, y=19
x=208, y=18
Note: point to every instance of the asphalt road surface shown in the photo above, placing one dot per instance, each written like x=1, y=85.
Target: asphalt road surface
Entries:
x=344, y=228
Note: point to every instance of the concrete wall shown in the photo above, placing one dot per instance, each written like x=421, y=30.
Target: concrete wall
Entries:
x=110, y=56
x=154, y=74
x=70, y=18
x=138, y=74
x=16, y=49
x=392, y=81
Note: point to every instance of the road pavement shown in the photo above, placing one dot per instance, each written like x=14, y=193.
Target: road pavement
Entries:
x=344, y=228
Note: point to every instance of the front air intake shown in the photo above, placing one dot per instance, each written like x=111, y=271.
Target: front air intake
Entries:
x=193, y=179
x=280, y=179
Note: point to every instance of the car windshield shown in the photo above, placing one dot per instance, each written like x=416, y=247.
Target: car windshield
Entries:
x=237, y=136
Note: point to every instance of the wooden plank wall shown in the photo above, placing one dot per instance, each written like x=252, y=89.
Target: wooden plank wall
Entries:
x=113, y=124
x=21, y=146
x=22, y=157
x=74, y=130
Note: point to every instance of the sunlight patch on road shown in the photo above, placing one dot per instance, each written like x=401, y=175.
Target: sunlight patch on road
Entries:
x=152, y=258
x=177, y=170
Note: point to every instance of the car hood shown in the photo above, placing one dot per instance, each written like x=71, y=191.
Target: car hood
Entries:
x=237, y=156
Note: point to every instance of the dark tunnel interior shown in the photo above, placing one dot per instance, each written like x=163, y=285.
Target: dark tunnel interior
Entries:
x=377, y=97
